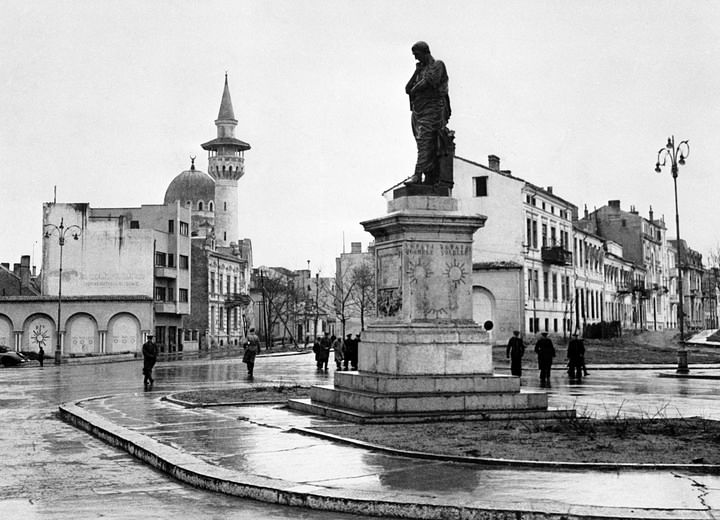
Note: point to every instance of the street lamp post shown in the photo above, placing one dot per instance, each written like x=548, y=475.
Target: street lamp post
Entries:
x=677, y=155
x=61, y=231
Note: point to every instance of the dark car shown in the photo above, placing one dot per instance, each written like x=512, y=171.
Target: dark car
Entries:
x=12, y=359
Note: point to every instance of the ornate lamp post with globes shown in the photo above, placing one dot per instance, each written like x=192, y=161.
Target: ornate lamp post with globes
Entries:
x=677, y=155
x=61, y=230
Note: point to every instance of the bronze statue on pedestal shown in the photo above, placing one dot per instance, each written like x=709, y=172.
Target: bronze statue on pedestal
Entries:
x=430, y=106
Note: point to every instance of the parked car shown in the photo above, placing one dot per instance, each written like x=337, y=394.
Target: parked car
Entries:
x=12, y=359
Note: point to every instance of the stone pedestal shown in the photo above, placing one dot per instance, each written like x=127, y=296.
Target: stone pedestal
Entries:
x=423, y=357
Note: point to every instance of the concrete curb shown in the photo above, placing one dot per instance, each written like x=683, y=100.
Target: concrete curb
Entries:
x=191, y=470
x=593, y=466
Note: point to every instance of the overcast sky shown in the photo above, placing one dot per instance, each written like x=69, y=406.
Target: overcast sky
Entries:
x=107, y=100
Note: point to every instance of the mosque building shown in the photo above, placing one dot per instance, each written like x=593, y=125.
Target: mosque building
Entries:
x=221, y=261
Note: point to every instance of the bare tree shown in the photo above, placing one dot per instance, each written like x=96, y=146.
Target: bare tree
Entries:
x=363, y=290
x=281, y=301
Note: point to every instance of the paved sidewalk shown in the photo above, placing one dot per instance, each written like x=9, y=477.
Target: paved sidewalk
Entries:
x=250, y=451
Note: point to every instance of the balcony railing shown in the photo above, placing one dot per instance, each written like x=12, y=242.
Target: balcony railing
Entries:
x=556, y=255
x=236, y=300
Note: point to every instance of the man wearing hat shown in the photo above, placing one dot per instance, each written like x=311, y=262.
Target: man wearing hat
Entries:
x=545, y=352
x=515, y=351
x=149, y=352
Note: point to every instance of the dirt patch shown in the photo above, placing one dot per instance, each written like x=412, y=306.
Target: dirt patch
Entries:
x=650, y=441
x=245, y=395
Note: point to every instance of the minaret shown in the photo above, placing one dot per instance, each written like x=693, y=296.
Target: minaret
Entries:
x=226, y=164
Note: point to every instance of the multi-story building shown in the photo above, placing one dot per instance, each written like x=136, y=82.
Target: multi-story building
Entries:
x=619, y=275
x=522, y=263
x=643, y=243
x=121, y=276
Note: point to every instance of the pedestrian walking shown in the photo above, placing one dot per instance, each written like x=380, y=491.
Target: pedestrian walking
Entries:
x=41, y=356
x=252, y=349
x=545, y=352
x=149, y=352
x=338, y=346
x=515, y=352
x=575, y=356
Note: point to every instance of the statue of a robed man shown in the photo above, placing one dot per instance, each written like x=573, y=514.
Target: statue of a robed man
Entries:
x=430, y=106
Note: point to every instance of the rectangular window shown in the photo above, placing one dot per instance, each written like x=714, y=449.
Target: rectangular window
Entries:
x=554, y=287
x=183, y=294
x=547, y=325
x=555, y=325
x=170, y=294
x=544, y=235
x=159, y=294
x=160, y=259
x=553, y=236
x=134, y=224
x=212, y=283
x=170, y=260
x=221, y=315
x=536, y=283
x=531, y=325
x=235, y=283
x=221, y=283
x=229, y=287
x=528, y=232
x=171, y=226
x=480, y=186
x=184, y=228
x=534, y=234
x=184, y=262
x=546, y=292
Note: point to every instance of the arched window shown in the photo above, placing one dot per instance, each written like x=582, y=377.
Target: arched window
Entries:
x=200, y=206
x=189, y=203
x=210, y=206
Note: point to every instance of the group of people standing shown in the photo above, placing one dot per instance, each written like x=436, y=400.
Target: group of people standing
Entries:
x=345, y=351
x=545, y=351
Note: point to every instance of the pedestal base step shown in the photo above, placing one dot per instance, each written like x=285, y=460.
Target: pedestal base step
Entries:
x=357, y=416
x=427, y=402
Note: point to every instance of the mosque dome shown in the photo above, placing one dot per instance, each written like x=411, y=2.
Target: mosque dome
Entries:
x=191, y=185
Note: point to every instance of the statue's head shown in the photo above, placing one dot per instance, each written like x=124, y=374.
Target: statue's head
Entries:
x=421, y=51
x=421, y=47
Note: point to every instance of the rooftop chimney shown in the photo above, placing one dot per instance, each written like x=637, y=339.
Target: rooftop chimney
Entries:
x=614, y=204
x=549, y=189
x=494, y=162
x=651, y=214
x=355, y=247
x=585, y=212
x=25, y=270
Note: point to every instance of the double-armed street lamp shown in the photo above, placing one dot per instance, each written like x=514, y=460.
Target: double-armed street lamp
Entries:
x=61, y=230
x=677, y=155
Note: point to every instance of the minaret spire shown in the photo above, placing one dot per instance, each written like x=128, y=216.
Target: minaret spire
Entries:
x=226, y=164
x=226, y=112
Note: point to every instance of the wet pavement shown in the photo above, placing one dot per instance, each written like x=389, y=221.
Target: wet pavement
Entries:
x=57, y=471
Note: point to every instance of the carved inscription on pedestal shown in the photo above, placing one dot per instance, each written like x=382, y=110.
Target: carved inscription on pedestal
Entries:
x=436, y=273
x=389, y=288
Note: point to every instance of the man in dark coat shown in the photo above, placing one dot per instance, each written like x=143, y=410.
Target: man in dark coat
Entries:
x=252, y=349
x=149, y=352
x=576, y=357
x=545, y=352
x=515, y=352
